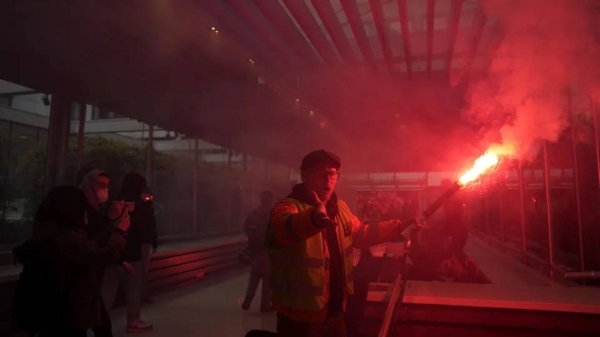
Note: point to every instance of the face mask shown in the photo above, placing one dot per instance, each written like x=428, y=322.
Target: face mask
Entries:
x=102, y=195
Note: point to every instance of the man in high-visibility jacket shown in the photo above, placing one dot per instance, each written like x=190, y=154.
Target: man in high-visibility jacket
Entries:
x=310, y=241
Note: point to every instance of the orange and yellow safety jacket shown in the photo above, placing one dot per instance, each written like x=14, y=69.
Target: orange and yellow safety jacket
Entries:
x=300, y=256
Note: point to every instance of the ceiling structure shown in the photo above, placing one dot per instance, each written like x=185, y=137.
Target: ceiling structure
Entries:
x=274, y=78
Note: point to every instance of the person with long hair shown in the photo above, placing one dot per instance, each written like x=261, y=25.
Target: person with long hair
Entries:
x=58, y=293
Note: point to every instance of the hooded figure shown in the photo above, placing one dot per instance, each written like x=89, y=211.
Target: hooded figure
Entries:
x=141, y=217
x=95, y=189
x=58, y=291
x=129, y=272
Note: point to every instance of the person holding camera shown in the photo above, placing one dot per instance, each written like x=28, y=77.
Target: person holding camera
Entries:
x=128, y=271
x=255, y=229
x=58, y=293
x=101, y=218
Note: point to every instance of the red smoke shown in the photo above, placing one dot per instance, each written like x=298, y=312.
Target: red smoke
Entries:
x=549, y=47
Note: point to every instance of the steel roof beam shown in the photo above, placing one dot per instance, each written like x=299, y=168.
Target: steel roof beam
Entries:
x=479, y=22
x=332, y=24
x=382, y=31
x=358, y=29
x=277, y=15
x=430, y=16
x=498, y=35
x=232, y=21
x=455, y=18
x=403, y=14
x=309, y=25
x=265, y=30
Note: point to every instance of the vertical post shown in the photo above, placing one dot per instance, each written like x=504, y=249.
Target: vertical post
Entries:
x=143, y=134
x=576, y=178
x=522, y=213
x=6, y=175
x=488, y=224
x=548, y=210
x=195, y=189
x=58, y=140
x=80, y=133
x=501, y=215
x=229, y=190
x=594, y=115
x=150, y=151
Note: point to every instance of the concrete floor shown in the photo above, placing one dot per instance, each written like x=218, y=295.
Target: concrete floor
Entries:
x=207, y=309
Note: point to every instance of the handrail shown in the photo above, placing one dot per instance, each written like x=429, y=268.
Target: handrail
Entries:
x=389, y=312
x=577, y=275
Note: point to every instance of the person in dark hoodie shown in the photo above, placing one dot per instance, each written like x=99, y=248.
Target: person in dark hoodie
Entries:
x=148, y=239
x=58, y=293
x=128, y=271
x=101, y=215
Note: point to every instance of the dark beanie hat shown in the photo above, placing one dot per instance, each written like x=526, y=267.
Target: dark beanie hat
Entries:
x=320, y=158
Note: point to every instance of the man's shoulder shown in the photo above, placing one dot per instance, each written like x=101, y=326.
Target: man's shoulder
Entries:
x=342, y=205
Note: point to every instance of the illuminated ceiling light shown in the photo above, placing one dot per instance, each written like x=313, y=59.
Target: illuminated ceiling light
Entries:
x=297, y=100
x=216, y=32
x=251, y=61
x=312, y=113
x=213, y=28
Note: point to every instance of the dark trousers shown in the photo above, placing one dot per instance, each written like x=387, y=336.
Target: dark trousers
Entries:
x=259, y=270
x=105, y=329
x=332, y=327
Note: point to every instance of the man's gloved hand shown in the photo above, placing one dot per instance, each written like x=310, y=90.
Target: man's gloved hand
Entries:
x=319, y=214
x=408, y=227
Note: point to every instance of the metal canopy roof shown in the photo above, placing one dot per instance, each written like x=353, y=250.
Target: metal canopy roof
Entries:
x=275, y=78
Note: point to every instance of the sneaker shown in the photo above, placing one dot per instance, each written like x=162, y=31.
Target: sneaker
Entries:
x=138, y=326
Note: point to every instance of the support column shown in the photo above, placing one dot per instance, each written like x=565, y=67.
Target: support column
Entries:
x=80, y=134
x=501, y=215
x=58, y=141
x=149, y=154
x=548, y=210
x=576, y=182
x=195, y=189
x=229, y=192
x=594, y=114
x=522, y=213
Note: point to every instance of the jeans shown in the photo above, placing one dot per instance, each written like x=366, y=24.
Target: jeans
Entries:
x=259, y=270
x=114, y=277
x=146, y=254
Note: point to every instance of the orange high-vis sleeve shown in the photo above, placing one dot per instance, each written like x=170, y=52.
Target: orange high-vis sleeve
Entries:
x=385, y=231
x=289, y=226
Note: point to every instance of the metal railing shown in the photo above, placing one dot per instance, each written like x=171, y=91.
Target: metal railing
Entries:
x=389, y=312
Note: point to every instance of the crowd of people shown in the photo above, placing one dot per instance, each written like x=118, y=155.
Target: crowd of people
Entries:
x=85, y=247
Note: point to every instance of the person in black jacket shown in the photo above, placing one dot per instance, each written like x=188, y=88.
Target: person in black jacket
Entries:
x=256, y=229
x=128, y=272
x=148, y=238
x=58, y=293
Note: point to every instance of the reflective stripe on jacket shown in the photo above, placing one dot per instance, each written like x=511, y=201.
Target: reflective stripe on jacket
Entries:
x=300, y=256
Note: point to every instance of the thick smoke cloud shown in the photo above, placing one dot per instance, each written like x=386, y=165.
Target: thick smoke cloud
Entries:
x=549, y=47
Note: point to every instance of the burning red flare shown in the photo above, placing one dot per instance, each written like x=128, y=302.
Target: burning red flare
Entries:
x=482, y=164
